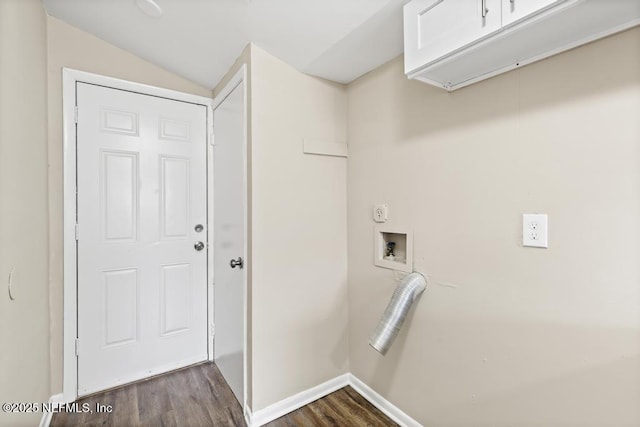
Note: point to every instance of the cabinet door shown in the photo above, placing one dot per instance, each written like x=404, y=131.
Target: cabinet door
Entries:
x=515, y=10
x=436, y=28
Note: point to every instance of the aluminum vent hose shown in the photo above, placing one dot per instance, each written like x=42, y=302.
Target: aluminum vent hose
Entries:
x=403, y=297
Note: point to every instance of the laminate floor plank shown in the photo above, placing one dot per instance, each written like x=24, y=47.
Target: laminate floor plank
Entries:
x=153, y=399
x=336, y=402
x=198, y=396
x=232, y=417
x=342, y=408
x=303, y=418
x=166, y=419
x=313, y=418
x=346, y=403
x=125, y=397
x=337, y=413
x=367, y=409
x=322, y=416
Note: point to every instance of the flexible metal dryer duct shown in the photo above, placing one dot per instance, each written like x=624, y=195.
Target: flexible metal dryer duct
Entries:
x=403, y=297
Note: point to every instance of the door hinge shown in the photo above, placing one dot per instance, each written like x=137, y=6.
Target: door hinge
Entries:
x=75, y=114
x=77, y=232
x=211, y=138
x=77, y=347
x=213, y=330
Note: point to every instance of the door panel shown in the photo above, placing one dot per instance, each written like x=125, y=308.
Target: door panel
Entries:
x=229, y=238
x=119, y=172
x=120, y=306
x=174, y=308
x=174, y=191
x=142, y=293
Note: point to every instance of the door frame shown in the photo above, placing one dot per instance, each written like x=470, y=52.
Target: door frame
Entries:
x=70, y=266
x=240, y=77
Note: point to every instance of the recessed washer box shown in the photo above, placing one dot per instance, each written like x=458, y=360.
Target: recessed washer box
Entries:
x=400, y=241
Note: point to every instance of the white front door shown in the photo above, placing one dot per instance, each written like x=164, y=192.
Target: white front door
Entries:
x=141, y=182
x=229, y=238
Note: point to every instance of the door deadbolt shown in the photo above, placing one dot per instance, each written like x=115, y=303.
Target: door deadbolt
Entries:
x=198, y=228
x=237, y=263
x=198, y=246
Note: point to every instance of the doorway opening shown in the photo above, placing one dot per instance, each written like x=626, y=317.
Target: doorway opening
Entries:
x=137, y=297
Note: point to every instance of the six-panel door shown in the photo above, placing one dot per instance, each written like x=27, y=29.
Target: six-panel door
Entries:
x=142, y=293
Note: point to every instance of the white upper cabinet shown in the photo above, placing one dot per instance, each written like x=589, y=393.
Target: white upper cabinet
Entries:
x=434, y=28
x=454, y=43
x=515, y=10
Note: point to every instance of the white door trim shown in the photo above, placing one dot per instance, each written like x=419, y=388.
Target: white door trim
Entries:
x=239, y=77
x=70, y=308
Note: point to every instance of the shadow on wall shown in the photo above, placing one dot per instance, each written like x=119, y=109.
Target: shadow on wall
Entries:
x=419, y=109
x=554, y=402
x=552, y=369
x=298, y=338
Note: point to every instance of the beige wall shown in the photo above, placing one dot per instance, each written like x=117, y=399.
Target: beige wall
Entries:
x=505, y=335
x=299, y=271
x=24, y=331
x=73, y=48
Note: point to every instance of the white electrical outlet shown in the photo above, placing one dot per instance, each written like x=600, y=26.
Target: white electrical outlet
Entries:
x=380, y=213
x=535, y=230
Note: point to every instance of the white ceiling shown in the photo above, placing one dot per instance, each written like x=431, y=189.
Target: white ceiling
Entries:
x=200, y=39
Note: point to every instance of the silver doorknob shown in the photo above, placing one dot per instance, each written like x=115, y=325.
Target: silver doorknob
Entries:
x=198, y=246
x=237, y=263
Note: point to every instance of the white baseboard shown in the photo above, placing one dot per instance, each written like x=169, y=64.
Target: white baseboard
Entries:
x=247, y=414
x=283, y=407
x=388, y=408
x=46, y=416
x=303, y=398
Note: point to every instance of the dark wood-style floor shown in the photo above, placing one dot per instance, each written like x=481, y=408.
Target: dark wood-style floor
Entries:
x=198, y=396
x=344, y=408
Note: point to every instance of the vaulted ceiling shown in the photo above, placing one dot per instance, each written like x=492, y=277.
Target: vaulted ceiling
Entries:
x=200, y=39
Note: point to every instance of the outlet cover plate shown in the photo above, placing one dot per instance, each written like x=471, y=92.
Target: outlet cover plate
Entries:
x=380, y=212
x=535, y=230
